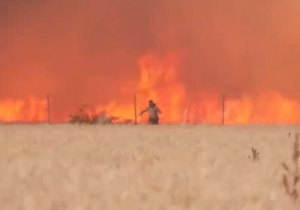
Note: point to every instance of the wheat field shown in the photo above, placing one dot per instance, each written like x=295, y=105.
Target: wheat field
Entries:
x=75, y=167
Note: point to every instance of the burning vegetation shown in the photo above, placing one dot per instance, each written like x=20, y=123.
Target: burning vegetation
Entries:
x=226, y=62
x=159, y=81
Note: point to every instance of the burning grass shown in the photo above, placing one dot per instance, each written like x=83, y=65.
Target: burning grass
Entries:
x=159, y=80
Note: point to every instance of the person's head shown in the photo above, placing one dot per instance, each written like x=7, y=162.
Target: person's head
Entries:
x=151, y=103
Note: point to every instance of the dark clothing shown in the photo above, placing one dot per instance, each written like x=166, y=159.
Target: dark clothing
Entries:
x=153, y=121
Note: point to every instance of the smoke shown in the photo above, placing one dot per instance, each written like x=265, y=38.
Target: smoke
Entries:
x=79, y=48
x=234, y=46
x=86, y=51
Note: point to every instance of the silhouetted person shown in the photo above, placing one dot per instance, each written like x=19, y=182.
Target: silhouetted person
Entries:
x=153, y=112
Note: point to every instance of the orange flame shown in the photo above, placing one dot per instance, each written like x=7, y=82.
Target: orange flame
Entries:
x=268, y=107
x=29, y=110
x=158, y=80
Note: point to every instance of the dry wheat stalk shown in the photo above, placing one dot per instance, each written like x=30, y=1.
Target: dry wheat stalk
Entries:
x=292, y=175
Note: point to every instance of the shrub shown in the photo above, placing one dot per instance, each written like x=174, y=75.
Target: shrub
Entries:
x=82, y=116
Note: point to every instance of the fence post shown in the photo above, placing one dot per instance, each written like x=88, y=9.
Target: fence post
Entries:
x=48, y=108
x=223, y=110
x=135, y=114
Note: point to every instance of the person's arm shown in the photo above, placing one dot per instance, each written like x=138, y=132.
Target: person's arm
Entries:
x=158, y=110
x=143, y=111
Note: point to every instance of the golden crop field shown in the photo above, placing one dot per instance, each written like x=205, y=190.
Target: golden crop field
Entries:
x=74, y=167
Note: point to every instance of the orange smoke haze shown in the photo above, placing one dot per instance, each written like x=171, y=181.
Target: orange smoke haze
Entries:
x=184, y=54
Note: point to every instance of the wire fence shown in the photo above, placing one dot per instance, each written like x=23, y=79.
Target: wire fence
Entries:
x=221, y=110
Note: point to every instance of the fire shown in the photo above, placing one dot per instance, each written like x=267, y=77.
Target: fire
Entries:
x=204, y=108
x=29, y=110
x=159, y=80
x=268, y=107
x=121, y=112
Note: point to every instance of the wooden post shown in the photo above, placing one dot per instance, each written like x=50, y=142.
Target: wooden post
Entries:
x=135, y=114
x=223, y=110
x=48, y=108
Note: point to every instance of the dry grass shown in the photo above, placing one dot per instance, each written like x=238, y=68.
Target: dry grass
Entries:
x=78, y=167
x=291, y=177
x=255, y=155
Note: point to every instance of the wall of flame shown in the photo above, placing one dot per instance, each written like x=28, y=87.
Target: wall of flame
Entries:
x=159, y=81
x=186, y=55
